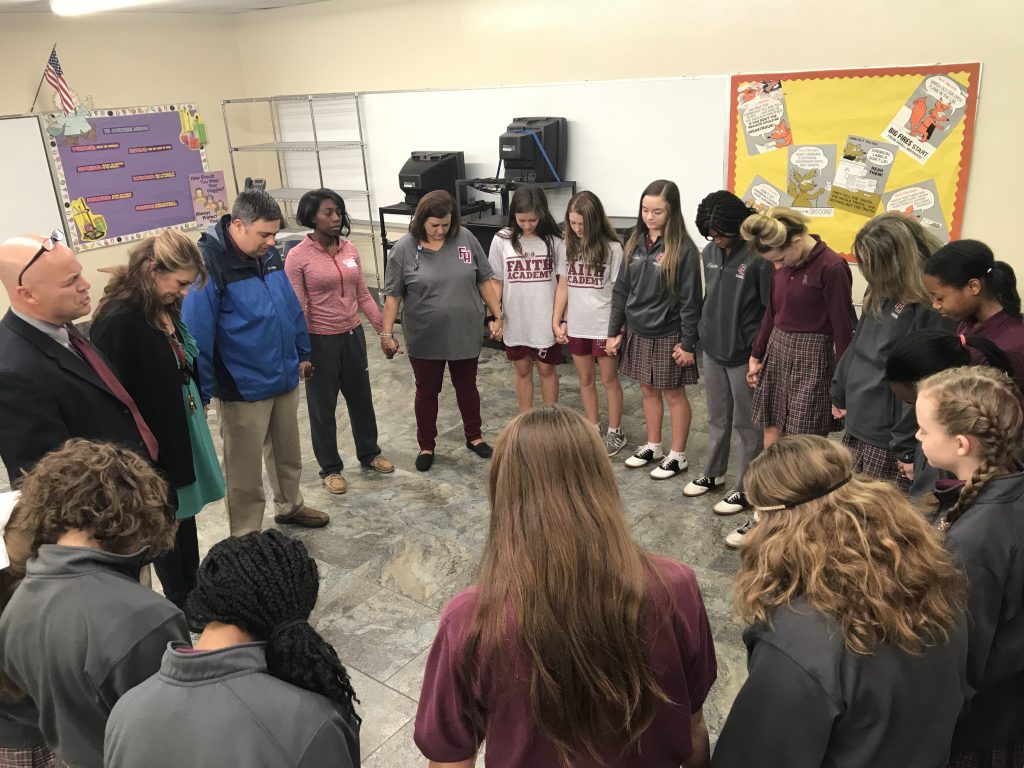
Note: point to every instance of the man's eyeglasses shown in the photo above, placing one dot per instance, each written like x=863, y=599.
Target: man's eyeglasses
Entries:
x=57, y=236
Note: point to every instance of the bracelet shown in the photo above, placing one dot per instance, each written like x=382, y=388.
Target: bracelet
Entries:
x=386, y=335
x=564, y=322
x=494, y=318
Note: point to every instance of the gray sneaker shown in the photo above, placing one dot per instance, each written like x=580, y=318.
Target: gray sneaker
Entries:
x=614, y=442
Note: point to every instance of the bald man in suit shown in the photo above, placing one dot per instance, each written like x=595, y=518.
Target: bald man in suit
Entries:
x=49, y=391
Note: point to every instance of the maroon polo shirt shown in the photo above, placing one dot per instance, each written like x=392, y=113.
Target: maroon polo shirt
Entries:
x=1005, y=332
x=681, y=653
x=812, y=297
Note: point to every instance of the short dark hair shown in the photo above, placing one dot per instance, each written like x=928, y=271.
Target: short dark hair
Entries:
x=309, y=206
x=256, y=205
x=927, y=351
x=434, y=205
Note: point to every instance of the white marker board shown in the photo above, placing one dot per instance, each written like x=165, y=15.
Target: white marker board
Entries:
x=28, y=204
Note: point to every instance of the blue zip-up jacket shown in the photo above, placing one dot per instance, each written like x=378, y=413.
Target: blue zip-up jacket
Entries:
x=247, y=323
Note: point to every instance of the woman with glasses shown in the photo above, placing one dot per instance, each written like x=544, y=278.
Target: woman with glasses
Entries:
x=138, y=326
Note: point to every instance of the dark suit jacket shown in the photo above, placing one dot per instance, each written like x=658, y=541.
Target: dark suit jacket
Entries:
x=48, y=395
x=146, y=365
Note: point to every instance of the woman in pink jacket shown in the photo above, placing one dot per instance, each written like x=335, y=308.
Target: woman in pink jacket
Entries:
x=325, y=271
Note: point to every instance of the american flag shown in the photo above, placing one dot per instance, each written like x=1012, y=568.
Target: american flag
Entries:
x=55, y=76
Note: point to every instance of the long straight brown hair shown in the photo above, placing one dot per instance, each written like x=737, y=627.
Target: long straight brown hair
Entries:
x=675, y=236
x=560, y=557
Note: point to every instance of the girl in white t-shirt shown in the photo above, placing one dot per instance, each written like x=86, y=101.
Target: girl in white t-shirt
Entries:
x=583, y=301
x=526, y=257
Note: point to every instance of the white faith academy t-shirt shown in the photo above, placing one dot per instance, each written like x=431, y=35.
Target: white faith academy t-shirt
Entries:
x=528, y=291
x=590, y=295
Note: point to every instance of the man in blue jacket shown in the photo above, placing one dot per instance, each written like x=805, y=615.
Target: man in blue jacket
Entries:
x=253, y=350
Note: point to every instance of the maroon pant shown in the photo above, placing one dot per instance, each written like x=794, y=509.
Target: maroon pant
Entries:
x=429, y=376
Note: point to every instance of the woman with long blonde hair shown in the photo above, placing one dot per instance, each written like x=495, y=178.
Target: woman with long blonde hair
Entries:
x=972, y=424
x=575, y=647
x=856, y=633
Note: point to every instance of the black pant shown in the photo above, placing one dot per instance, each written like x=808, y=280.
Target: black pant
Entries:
x=339, y=363
x=177, y=569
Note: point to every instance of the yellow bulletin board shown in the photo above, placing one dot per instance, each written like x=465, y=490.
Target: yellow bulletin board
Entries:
x=845, y=145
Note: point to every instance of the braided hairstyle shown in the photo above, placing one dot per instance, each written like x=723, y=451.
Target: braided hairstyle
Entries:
x=266, y=583
x=925, y=351
x=722, y=212
x=985, y=405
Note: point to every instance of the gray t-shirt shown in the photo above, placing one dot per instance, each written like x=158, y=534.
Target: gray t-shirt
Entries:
x=444, y=314
x=590, y=295
x=528, y=287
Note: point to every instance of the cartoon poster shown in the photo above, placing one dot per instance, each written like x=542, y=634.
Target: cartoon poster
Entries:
x=762, y=195
x=762, y=107
x=209, y=196
x=927, y=117
x=809, y=175
x=861, y=175
x=921, y=201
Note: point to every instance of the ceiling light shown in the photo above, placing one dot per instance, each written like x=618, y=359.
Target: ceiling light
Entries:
x=82, y=7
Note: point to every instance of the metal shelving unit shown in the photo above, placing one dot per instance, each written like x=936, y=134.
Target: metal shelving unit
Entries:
x=294, y=127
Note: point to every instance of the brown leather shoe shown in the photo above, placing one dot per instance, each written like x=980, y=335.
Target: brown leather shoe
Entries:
x=307, y=517
x=380, y=464
x=335, y=483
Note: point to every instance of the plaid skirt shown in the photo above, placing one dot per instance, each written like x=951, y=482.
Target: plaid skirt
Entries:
x=649, y=361
x=1010, y=756
x=792, y=391
x=38, y=756
x=877, y=463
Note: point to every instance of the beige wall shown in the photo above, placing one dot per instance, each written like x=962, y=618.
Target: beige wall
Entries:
x=342, y=45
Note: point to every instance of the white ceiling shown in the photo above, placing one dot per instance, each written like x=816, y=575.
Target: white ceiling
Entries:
x=165, y=6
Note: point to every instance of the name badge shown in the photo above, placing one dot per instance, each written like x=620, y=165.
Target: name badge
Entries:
x=465, y=254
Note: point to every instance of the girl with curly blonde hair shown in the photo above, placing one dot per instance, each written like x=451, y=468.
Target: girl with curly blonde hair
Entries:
x=856, y=632
x=971, y=424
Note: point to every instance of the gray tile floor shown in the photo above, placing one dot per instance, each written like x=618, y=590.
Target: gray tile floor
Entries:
x=400, y=545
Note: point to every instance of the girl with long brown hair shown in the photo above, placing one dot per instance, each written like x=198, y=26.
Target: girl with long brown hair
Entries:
x=972, y=424
x=856, y=633
x=575, y=647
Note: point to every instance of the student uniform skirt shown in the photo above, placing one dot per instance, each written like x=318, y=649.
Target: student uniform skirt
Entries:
x=792, y=391
x=1010, y=756
x=30, y=757
x=875, y=462
x=649, y=361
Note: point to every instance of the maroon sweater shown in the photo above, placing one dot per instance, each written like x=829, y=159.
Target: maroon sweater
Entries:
x=1005, y=332
x=812, y=297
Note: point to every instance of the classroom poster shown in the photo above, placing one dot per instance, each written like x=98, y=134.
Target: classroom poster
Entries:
x=812, y=167
x=762, y=107
x=861, y=175
x=921, y=201
x=926, y=118
x=762, y=195
x=209, y=196
x=129, y=174
x=834, y=107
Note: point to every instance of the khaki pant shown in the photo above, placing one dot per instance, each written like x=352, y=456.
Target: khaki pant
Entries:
x=269, y=427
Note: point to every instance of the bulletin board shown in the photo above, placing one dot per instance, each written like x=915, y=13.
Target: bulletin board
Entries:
x=843, y=146
x=123, y=173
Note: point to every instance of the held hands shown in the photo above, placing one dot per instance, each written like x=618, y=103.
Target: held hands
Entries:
x=683, y=358
x=838, y=413
x=754, y=367
x=561, y=331
x=497, y=328
x=305, y=370
x=907, y=470
x=611, y=345
x=389, y=345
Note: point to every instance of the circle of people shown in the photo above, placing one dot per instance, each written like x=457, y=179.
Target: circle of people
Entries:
x=881, y=580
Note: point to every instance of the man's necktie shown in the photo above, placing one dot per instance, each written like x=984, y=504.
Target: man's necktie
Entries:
x=88, y=352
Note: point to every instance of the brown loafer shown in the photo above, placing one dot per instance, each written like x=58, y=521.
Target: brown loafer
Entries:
x=335, y=483
x=306, y=517
x=380, y=464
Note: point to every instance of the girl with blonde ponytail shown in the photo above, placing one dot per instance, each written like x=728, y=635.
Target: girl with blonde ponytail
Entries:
x=971, y=424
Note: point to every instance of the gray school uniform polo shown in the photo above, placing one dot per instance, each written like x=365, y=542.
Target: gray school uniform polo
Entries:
x=80, y=631
x=222, y=708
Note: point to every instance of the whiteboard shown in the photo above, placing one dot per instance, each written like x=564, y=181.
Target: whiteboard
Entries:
x=623, y=134
x=28, y=204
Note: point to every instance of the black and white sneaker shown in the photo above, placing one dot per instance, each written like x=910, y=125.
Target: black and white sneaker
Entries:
x=734, y=501
x=735, y=539
x=643, y=456
x=702, y=485
x=669, y=467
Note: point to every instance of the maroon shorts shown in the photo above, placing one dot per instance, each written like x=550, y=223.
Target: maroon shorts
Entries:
x=552, y=355
x=587, y=347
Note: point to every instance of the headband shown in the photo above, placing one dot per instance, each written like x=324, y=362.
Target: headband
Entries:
x=806, y=499
x=7, y=502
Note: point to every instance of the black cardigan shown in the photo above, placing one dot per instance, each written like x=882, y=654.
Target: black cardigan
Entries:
x=148, y=368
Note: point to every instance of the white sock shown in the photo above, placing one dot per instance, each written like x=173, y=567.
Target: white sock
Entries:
x=656, y=447
x=614, y=431
x=677, y=455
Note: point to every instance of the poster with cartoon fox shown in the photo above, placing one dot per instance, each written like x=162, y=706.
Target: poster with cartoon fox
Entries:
x=926, y=118
x=762, y=108
x=920, y=201
x=809, y=176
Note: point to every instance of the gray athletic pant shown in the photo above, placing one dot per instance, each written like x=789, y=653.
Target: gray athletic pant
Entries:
x=728, y=400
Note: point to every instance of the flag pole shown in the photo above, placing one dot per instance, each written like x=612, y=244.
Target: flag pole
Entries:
x=42, y=77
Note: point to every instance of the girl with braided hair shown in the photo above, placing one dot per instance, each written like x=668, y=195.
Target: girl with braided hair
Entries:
x=261, y=688
x=971, y=423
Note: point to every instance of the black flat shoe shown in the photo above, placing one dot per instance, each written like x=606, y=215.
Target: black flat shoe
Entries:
x=423, y=461
x=481, y=449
